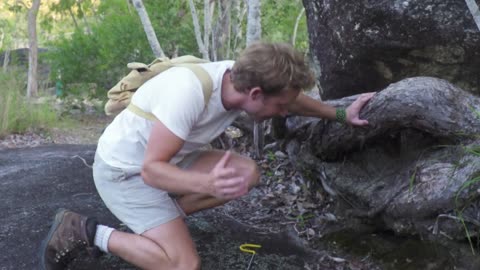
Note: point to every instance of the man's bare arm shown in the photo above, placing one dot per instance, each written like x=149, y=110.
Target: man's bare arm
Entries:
x=162, y=146
x=307, y=106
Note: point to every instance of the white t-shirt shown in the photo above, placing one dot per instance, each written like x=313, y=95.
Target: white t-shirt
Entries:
x=175, y=97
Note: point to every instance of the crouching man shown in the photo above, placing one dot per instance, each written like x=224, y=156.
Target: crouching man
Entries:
x=139, y=162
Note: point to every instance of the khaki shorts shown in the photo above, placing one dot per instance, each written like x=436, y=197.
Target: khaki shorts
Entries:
x=138, y=205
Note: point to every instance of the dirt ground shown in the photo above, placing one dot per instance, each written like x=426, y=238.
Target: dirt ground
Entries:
x=83, y=129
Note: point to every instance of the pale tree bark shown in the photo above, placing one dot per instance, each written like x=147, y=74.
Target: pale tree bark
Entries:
x=198, y=32
x=214, y=33
x=149, y=31
x=222, y=30
x=295, y=29
x=175, y=51
x=2, y=38
x=32, y=84
x=240, y=12
x=473, y=7
x=254, y=32
x=6, y=55
x=254, y=27
x=208, y=9
x=6, y=59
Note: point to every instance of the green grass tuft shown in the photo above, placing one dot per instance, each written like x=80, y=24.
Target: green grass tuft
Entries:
x=17, y=114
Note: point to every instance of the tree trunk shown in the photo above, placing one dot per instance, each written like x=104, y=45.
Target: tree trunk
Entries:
x=222, y=29
x=237, y=26
x=32, y=85
x=6, y=55
x=149, y=31
x=208, y=9
x=254, y=26
x=2, y=38
x=198, y=33
x=254, y=32
x=6, y=60
x=473, y=7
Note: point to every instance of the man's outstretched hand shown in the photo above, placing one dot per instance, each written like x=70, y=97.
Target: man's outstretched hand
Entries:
x=353, y=110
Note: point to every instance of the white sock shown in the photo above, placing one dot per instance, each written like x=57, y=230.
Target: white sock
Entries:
x=102, y=236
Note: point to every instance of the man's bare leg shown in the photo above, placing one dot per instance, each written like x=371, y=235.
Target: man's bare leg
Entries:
x=244, y=166
x=168, y=246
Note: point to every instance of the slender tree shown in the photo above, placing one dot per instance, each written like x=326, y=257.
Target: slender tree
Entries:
x=254, y=26
x=295, y=28
x=198, y=32
x=32, y=84
x=237, y=30
x=254, y=32
x=6, y=54
x=208, y=8
x=149, y=31
x=222, y=30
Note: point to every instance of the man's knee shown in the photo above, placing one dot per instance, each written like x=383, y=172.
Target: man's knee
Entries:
x=187, y=262
x=252, y=174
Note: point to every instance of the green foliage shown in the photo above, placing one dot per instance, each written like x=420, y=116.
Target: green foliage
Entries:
x=303, y=218
x=173, y=26
x=271, y=156
x=477, y=113
x=278, y=22
x=17, y=115
x=117, y=37
x=6, y=27
x=100, y=57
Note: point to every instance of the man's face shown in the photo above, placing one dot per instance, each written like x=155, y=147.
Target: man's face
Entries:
x=261, y=107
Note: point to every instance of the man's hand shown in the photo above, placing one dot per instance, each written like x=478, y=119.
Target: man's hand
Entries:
x=225, y=182
x=354, y=109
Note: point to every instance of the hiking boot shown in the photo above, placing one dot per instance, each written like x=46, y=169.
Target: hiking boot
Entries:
x=69, y=234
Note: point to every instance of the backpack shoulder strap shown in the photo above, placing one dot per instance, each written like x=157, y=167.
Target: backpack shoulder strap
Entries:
x=136, y=110
x=200, y=73
x=204, y=77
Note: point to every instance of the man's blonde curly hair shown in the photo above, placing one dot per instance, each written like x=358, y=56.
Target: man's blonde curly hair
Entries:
x=274, y=67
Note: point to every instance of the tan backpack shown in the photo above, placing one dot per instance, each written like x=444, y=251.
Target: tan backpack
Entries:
x=120, y=95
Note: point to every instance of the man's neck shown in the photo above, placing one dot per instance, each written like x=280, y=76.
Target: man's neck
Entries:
x=231, y=99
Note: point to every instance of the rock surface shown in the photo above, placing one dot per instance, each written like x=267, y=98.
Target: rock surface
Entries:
x=361, y=46
x=35, y=182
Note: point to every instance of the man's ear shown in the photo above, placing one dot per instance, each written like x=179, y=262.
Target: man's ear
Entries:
x=255, y=93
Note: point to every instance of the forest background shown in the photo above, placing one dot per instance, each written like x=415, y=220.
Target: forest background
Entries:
x=85, y=45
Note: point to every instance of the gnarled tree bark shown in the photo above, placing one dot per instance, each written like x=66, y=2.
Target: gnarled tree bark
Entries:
x=415, y=170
